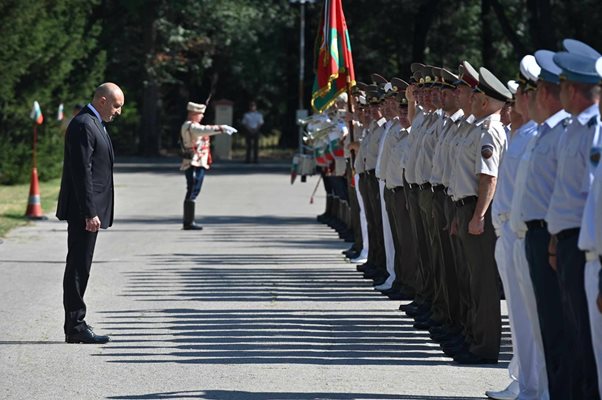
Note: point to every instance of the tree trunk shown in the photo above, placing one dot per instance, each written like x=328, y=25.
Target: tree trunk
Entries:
x=150, y=135
x=540, y=26
x=508, y=30
x=422, y=24
x=486, y=34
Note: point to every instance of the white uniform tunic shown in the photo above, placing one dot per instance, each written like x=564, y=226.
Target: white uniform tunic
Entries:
x=479, y=153
x=440, y=157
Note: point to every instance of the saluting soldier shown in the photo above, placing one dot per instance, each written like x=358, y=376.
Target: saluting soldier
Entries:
x=376, y=256
x=405, y=255
x=468, y=79
x=448, y=277
x=195, y=138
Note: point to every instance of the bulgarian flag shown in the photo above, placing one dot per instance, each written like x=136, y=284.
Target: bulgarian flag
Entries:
x=333, y=61
x=36, y=113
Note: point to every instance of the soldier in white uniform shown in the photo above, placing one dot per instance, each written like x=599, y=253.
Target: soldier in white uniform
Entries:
x=476, y=173
x=468, y=79
x=405, y=255
x=424, y=162
x=533, y=189
x=419, y=106
x=590, y=241
x=579, y=95
x=448, y=277
x=375, y=266
x=197, y=159
x=390, y=113
x=527, y=360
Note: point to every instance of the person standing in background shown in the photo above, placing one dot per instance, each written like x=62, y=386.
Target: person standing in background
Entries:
x=252, y=121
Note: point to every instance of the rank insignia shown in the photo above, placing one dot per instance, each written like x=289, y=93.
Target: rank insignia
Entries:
x=594, y=156
x=487, y=151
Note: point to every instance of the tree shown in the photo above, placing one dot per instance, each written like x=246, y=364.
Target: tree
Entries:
x=46, y=53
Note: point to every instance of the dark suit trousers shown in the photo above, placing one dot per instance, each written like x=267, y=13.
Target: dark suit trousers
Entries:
x=461, y=268
x=354, y=206
x=549, y=311
x=378, y=244
x=571, y=269
x=423, y=292
x=80, y=244
x=252, y=140
x=449, y=281
x=433, y=266
x=406, y=259
x=486, y=329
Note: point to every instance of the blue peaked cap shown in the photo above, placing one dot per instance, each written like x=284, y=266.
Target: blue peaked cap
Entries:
x=577, y=68
x=577, y=47
x=550, y=72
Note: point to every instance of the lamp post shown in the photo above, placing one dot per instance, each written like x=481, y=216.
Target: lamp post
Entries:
x=301, y=111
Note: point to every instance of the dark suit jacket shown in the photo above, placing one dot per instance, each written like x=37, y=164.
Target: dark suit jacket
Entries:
x=87, y=182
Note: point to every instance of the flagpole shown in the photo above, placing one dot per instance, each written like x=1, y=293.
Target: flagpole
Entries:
x=351, y=110
x=35, y=139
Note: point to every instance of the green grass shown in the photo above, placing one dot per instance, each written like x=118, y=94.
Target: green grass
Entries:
x=13, y=203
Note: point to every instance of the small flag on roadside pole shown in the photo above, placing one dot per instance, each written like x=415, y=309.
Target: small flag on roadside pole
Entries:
x=60, y=114
x=36, y=113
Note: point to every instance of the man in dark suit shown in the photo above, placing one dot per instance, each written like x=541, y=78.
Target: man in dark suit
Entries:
x=86, y=201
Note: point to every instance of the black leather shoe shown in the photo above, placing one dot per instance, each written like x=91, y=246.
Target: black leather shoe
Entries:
x=379, y=280
x=353, y=255
x=405, y=307
x=365, y=267
x=86, y=336
x=469, y=358
x=372, y=273
x=425, y=324
x=192, y=227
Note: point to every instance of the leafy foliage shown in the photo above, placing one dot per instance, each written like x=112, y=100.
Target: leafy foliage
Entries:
x=164, y=53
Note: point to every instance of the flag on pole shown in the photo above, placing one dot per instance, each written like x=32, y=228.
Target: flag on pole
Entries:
x=333, y=61
x=60, y=115
x=36, y=113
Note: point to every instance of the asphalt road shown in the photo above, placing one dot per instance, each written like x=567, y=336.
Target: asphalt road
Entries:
x=260, y=305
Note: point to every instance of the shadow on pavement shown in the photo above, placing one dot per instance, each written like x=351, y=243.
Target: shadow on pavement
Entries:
x=241, y=395
x=171, y=166
x=259, y=321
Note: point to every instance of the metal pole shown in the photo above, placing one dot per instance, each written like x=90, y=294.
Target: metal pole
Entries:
x=301, y=66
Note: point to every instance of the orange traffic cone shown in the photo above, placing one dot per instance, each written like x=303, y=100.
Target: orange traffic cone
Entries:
x=34, y=205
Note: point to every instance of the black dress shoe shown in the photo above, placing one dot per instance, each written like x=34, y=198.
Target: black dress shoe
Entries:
x=425, y=324
x=192, y=227
x=363, y=267
x=469, y=358
x=405, y=307
x=353, y=255
x=86, y=336
x=372, y=273
x=380, y=279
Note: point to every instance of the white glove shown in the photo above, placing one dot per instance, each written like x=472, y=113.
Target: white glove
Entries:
x=229, y=130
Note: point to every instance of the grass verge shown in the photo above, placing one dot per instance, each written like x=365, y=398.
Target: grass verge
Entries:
x=13, y=203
